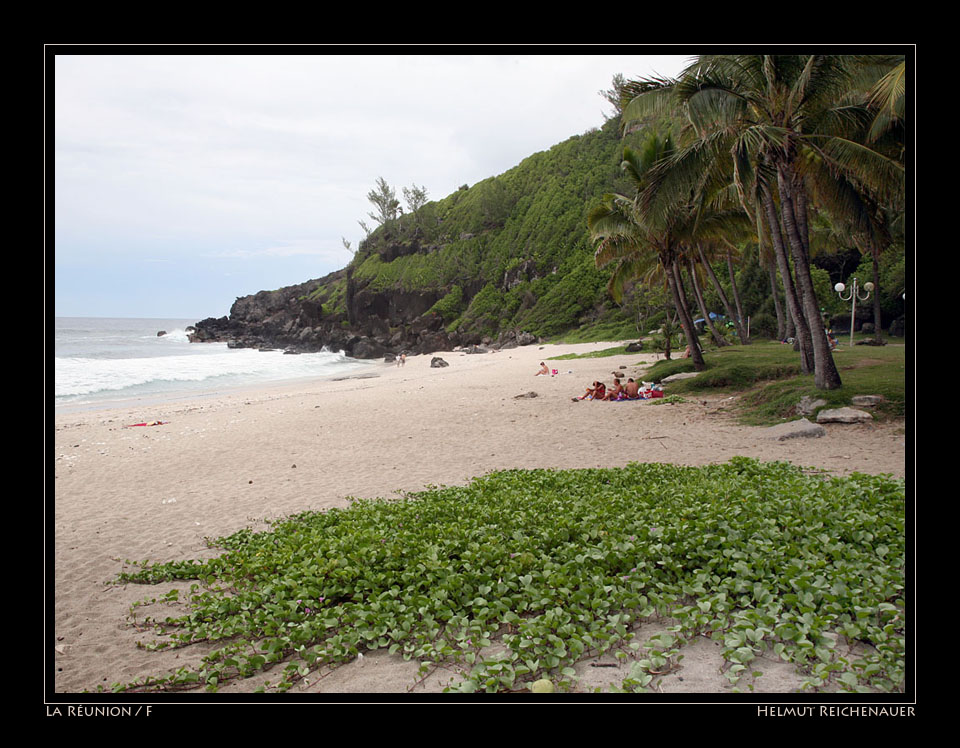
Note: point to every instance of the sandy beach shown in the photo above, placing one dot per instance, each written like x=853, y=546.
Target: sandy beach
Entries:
x=220, y=463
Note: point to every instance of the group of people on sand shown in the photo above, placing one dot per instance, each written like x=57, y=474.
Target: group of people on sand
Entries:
x=599, y=391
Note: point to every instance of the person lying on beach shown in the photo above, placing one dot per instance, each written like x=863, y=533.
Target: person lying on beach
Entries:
x=543, y=369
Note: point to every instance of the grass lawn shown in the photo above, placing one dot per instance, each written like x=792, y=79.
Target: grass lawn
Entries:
x=768, y=375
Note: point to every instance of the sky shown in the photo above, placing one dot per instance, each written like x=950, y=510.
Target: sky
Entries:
x=182, y=182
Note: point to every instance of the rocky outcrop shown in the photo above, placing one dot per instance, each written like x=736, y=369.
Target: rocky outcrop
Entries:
x=372, y=324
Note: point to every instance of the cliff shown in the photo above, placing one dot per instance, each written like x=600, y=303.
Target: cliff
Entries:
x=504, y=262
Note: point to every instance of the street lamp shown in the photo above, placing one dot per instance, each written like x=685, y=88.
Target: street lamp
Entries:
x=853, y=296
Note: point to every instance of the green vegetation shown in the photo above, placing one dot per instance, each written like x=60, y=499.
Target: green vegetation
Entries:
x=867, y=370
x=759, y=148
x=516, y=245
x=516, y=577
x=618, y=350
x=647, y=222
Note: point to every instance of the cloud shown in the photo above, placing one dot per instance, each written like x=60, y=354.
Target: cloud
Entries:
x=293, y=248
x=215, y=157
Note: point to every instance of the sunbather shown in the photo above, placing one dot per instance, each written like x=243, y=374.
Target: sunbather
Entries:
x=616, y=392
x=595, y=392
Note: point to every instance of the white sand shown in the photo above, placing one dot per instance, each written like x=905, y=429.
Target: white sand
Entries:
x=226, y=462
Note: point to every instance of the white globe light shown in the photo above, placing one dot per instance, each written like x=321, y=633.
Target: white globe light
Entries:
x=869, y=286
x=839, y=288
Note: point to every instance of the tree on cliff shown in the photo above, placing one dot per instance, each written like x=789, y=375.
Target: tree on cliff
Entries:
x=384, y=199
x=416, y=198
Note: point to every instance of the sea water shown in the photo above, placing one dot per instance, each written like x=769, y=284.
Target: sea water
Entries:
x=100, y=362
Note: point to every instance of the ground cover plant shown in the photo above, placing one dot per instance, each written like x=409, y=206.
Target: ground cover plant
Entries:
x=515, y=577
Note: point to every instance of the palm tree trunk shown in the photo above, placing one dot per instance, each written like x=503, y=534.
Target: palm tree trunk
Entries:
x=717, y=337
x=802, y=332
x=781, y=323
x=825, y=373
x=741, y=331
x=686, y=322
x=738, y=319
x=877, y=318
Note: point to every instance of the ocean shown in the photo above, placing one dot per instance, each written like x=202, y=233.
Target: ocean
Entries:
x=105, y=362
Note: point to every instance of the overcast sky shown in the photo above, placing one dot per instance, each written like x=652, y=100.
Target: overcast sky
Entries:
x=183, y=182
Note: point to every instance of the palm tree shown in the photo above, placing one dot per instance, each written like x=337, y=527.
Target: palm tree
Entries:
x=764, y=119
x=639, y=245
x=867, y=213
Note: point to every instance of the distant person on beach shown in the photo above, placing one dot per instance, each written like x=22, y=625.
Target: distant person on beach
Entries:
x=632, y=390
x=403, y=359
x=543, y=369
x=398, y=360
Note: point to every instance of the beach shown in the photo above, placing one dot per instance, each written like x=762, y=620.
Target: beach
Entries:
x=210, y=466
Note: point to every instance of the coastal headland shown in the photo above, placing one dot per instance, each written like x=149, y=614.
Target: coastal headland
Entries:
x=212, y=465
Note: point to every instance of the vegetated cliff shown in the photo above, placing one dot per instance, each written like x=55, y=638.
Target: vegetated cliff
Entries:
x=504, y=262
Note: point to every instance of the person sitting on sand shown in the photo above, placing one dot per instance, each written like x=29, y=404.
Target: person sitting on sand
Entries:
x=543, y=369
x=632, y=390
x=616, y=392
x=595, y=392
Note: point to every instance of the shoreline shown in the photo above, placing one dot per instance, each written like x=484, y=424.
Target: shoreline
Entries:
x=237, y=459
x=173, y=397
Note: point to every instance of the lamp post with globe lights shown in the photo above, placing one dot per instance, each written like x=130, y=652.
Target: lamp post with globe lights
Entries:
x=853, y=296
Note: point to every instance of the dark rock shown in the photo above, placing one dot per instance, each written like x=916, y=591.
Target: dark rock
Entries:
x=437, y=363
x=366, y=348
x=161, y=333
x=635, y=347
